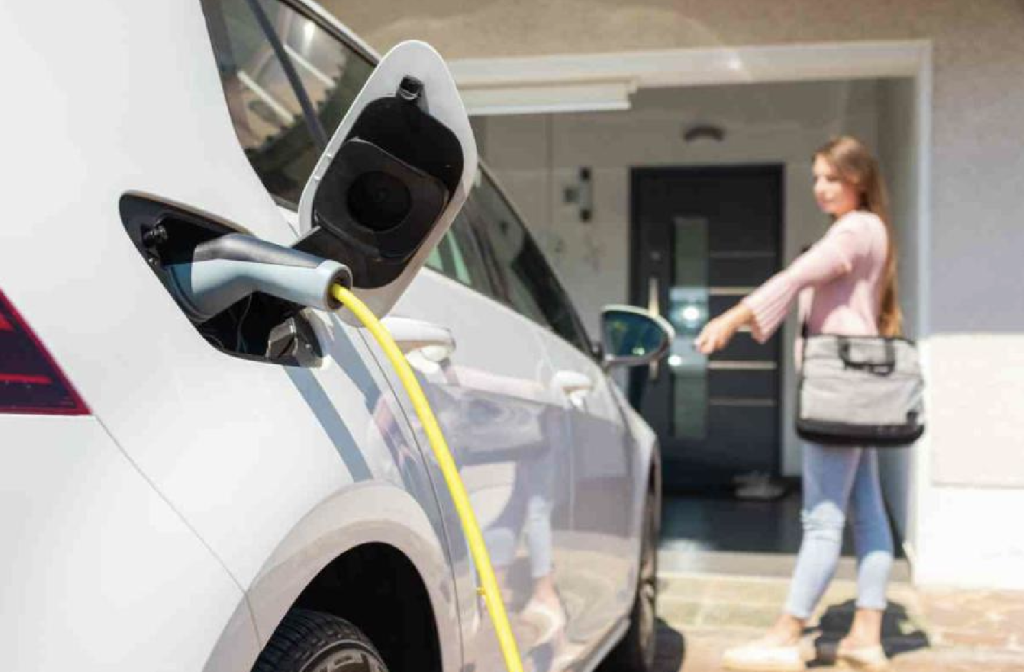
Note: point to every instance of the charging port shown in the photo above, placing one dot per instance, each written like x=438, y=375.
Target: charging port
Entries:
x=257, y=327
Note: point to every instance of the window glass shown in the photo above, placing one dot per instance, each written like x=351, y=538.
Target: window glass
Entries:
x=265, y=110
x=688, y=309
x=531, y=286
x=458, y=256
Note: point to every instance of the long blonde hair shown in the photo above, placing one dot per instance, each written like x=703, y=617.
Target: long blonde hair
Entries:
x=856, y=166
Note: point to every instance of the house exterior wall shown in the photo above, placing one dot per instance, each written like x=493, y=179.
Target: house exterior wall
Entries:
x=969, y=306
x=897, y=149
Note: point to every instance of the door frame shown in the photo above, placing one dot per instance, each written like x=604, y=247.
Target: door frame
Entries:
x=776, y=170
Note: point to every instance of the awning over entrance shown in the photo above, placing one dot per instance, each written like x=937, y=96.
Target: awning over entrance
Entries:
x=595, y=82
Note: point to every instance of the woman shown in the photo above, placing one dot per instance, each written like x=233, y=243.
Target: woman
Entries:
x=852, y=274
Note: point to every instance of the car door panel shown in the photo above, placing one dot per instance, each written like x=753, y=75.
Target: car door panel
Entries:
x=598, y=586
x=602, y=548
x=505, y=430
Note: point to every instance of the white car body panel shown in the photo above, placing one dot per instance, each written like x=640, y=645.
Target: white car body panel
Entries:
x=368, y=512
x=207, y=488
x=200, y=425
x=603, y=462
x=89, y=535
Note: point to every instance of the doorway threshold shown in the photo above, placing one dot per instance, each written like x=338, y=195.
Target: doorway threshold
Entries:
x=743, y=538
x=760, y=565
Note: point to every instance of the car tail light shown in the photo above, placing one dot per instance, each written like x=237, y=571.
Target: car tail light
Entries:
x=30, y=381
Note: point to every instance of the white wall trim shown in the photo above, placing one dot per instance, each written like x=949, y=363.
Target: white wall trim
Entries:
x=487, y=78
x=923, y=77
x=588, y=96
x=920, y=467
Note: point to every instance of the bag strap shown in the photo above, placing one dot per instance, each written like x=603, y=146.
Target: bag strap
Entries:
x=805, y=329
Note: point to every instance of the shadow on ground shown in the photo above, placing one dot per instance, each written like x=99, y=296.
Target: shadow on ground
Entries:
x=900, y=634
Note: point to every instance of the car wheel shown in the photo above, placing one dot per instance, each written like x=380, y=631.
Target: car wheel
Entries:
x=312, y=641
x=635, y=652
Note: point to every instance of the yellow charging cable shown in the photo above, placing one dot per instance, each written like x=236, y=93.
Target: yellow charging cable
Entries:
x=489, y=584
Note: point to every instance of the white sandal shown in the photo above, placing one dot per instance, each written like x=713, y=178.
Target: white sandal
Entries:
x=763, y=657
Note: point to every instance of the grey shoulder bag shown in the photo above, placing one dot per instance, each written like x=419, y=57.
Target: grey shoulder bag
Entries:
x=860, y=390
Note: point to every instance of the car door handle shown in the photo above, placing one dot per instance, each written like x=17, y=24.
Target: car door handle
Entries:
x=433, y=341
x=572, y=383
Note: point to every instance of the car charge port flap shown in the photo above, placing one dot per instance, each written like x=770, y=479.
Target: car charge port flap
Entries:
x=393, y=176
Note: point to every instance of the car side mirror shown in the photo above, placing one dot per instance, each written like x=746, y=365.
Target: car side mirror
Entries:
x=393, y=177
x=631, y=336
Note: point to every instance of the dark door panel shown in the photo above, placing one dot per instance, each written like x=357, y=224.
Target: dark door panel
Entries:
x=743, y=347
x=750, y=442
x=741, y=385
x=741, y=270
x=702, y=238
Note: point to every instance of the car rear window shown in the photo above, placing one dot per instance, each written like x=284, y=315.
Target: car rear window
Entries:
x=280, y=140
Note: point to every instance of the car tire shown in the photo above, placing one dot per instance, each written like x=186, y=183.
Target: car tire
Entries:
x=311, y=641
x=635, y=651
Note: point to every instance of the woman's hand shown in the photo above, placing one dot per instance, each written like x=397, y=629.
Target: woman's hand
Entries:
x=717, y=333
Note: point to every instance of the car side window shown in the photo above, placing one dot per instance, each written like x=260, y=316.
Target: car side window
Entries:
x=268, y=116
x=265, y=110
x=458, y=256
x=530, y=285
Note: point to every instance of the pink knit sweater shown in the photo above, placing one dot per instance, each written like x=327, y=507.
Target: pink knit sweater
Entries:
x=845, y=270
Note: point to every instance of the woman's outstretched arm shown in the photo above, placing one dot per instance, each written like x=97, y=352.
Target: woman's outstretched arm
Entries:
x=766, y=307
x=717, y=333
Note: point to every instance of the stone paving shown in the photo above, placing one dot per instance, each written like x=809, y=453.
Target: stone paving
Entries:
x=946, y=631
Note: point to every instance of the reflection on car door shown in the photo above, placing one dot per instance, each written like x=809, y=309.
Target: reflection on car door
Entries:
x=484, y=370
x=602, y=554
x=597, y=587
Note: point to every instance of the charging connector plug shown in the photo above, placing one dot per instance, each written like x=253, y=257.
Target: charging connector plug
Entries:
x=227, y=269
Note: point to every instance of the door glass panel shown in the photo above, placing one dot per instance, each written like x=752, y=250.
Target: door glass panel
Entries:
x=688, y=313
x=705, y=236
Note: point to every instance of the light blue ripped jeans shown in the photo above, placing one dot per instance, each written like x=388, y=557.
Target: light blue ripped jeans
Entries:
x=837, y=480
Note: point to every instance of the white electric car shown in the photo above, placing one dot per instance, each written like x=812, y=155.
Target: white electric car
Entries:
x=251, y=490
